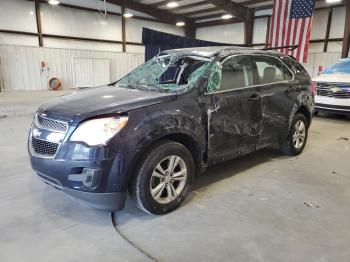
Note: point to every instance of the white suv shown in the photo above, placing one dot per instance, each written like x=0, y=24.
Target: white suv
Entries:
x=333, y=89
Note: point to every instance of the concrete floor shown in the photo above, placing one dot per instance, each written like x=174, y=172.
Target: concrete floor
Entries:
x=249, y=209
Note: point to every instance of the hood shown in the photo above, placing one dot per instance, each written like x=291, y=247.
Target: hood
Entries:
x=83, y=104
x=333, y=78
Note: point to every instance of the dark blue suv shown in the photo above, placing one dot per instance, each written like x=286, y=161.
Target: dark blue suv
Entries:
x=154, y=130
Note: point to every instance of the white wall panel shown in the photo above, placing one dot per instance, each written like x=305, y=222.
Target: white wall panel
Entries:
x=316, y=60
x=335, y=46
x=338, y=22
x=21, y=66
x=85, y=45
x=259, y=32
x=135, y=49
x=90, y=72
x=95, y=4
x=71, y=22
x=264, y=12
x=24, y=40
x=134, y=29
x=231, y=33
x=319, y=24
x=17, y=15
x=316, y=47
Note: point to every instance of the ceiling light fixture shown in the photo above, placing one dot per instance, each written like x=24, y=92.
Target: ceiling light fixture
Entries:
x=53, y=2
x=128, y=15
x=172, y=4
x=226, y=16
x=180, y=23
x=333, y=1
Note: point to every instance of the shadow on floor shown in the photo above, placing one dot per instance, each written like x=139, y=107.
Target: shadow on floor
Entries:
x=212, y=175
x=233, y=167
x=333, y=117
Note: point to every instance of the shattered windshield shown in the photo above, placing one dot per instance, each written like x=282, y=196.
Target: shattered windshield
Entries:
x=172, y=73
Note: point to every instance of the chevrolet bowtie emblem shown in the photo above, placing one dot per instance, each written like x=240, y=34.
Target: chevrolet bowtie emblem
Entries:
x=336, y=89
x=36, y=133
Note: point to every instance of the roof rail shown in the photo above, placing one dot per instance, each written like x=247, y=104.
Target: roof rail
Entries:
x=289, y=47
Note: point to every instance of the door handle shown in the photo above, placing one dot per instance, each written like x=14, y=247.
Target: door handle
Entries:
x=255, y=97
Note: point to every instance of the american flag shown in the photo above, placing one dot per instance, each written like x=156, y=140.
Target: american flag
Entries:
x=291, y=25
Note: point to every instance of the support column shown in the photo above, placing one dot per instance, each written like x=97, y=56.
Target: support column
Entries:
x=248, y=29
x=267, y=39
x=329, y=22
x=38, y=22
x=346, y=40
x=190, y=28
x=123, y=28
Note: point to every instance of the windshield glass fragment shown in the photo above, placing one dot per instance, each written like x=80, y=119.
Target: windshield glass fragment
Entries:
x=172, y=73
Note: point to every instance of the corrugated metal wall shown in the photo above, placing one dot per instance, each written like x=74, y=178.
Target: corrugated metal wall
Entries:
x=316, y=60
x=21, y=67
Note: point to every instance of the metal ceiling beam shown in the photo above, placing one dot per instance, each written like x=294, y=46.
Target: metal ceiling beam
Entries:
x=96, y=10
x=161, y=3
x=232, y=8
x=218, y=15
x=203, y=11
x=233, y=20
x=266, y=7
x=254, y=2
x=163, y=15
x=193, y=5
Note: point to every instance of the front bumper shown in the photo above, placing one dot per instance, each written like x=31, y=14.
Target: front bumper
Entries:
x=102, y=201
x=333, y=105
x=90, y=175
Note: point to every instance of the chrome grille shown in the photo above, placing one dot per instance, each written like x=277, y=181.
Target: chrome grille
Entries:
x=50, y=124
x=336, y=90
x=45, y=148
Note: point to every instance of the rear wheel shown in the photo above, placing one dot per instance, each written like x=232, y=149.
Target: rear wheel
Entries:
x=163, y=178
x=295, y=143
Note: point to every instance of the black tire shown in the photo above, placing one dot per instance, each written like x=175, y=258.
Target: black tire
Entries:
x=140, y=187
x=287, y=145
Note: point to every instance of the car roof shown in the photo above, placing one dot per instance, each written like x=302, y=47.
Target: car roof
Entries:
x=345, y=59
x=223, y=51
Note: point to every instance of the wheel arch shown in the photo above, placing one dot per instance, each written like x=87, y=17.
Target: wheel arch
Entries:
x=306, y=112
x=185, y=139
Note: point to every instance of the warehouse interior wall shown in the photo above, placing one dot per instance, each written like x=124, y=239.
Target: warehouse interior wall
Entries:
x=80, y=26
x=234, y=34
x=30, y=68
x=22, y=60
x=19, y=15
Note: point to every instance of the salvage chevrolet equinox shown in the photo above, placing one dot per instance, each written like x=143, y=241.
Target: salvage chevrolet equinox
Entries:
x=154, y=130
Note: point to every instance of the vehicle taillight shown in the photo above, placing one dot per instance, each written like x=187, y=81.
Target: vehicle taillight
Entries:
x=314, y=85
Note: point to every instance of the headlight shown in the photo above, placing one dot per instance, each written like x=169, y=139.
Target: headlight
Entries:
x=98, y=131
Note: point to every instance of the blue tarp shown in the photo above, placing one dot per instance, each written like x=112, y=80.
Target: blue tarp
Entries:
x=156, y=42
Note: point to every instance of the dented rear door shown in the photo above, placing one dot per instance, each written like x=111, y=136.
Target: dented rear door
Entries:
x=278, y=91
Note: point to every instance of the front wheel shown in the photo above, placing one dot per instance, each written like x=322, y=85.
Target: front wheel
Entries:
x=295, y=143
x=163, y=178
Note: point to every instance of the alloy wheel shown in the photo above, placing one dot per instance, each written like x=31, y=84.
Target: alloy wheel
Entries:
x=168, y=179
x=299, y=134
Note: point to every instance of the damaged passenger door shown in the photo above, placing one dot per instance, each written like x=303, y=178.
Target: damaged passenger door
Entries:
x=278, y=89
x=234, y=111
